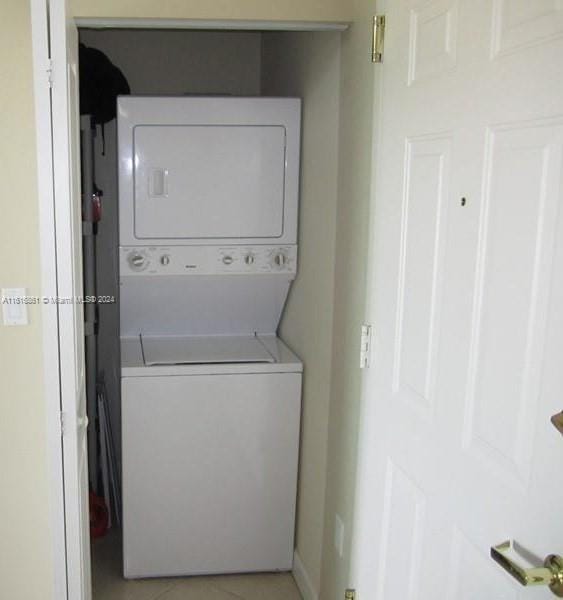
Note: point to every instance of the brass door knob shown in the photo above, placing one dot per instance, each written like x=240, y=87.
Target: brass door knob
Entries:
x=550, y=574
x=557, y=421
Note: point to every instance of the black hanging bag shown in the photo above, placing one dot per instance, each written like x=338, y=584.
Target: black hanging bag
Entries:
x=100, y=84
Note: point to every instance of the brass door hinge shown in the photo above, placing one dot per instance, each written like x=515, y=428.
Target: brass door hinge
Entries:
x=350, y=595
x=378, y=38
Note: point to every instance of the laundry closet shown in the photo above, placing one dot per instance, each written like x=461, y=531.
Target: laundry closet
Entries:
x=285, y=286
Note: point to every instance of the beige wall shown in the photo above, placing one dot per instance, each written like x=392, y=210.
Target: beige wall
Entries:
x=25, y=560
x=308, y=65
x=355, y=164
x=305, y=10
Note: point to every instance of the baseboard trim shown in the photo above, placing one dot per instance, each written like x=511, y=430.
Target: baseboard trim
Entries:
x=302, y=579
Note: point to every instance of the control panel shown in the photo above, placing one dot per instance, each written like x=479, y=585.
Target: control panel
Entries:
x=207, y=260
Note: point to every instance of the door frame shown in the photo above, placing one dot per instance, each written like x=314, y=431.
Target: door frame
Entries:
x=55, y=224
x=366, y=481
x=49, y=286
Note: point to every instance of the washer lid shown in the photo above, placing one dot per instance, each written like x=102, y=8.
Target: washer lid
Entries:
x=170, y=350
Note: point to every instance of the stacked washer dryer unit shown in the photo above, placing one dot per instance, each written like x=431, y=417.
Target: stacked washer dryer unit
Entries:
x=208, y=201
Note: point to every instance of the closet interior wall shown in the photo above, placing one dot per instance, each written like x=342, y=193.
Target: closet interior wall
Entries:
x=308, y=65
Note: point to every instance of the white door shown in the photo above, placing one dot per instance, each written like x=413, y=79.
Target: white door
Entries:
x=66, y=168
x=457, y=450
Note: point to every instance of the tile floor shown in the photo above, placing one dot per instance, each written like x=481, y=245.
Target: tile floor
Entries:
x=108, y=583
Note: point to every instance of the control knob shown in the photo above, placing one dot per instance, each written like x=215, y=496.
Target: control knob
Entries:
x=249, y=259
x=280, y=260
x=137, y=261
x=165, y=260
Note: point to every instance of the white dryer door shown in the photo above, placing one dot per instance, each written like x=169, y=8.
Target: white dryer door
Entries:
x=209, y=181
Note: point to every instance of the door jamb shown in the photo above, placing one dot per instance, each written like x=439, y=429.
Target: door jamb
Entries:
x=203, y=24
x=361, y=532
x=49, y=311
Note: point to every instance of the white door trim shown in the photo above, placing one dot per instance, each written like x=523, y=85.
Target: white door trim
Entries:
x=302, y=579
x=49, y=316
x=232, y=24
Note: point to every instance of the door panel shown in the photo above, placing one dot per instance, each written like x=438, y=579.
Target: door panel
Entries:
x=403, y=524
x=467, y=302
x=433, y=39
x=427, y=166
x=521, y=23
x=522, y=171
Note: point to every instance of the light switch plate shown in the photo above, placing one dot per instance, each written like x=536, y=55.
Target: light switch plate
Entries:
x=14, y=310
